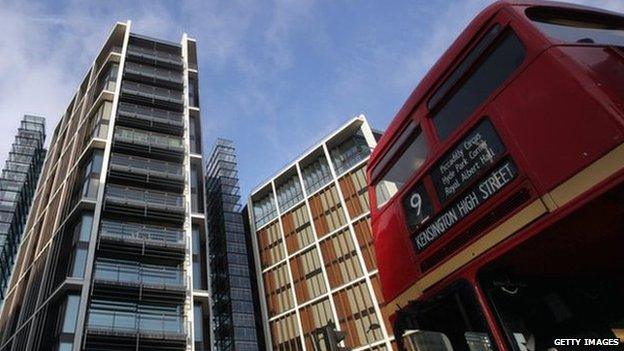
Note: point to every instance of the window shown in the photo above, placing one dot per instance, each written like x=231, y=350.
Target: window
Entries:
x=350, y=152
x=573, y=26
x=78, y=267
x=534, y=310
x=198, y=323
x=195, y=134
x=99, y=122
x=457, y=103
x=454, y=313
x=91, y=180
x=199, y=260
x=197, y=198
x=411, y=158
x=81, y=237
x=71, y=314
x=316, y=174
x=264, y=210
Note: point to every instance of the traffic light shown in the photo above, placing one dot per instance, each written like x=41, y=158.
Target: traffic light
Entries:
x=334, y=337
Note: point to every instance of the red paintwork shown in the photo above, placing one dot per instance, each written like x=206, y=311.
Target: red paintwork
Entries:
x=560, y=111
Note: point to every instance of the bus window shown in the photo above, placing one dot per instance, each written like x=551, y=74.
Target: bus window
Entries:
x=578, y=26
x=534, y=311
x=489, y=74
x=412, y=157
x=454, y=313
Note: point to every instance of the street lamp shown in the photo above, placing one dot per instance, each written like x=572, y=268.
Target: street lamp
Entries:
x=371, y=327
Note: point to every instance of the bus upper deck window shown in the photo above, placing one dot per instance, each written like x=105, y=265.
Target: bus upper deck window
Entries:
x=574, y=26
x=452, y=105
x=413, y=152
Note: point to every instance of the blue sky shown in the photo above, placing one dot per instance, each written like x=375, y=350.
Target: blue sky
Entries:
x=275, y=75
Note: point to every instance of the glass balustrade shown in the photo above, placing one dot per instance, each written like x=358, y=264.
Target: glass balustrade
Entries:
x=148, y=138
x=154, y=72
x=143, y=196
x=134, y=322
x=127, y=109
x=132, y=272
x=350, y=153
x=152, y=92
x=132, y=230
x=147, y=165
x=151, y=54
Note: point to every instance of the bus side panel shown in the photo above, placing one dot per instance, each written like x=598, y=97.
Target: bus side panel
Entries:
x=557, y=126
x=394, y=252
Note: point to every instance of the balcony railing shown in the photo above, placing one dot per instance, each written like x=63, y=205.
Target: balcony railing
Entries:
x=150, y=139
x=151, y=92
x=146, y=165
x=345, y=160
x=144, y=197
x=154, y=73
x=128, y=322
x=144, y=112
x=148, y=54
x=110, y=271
x=129, y=230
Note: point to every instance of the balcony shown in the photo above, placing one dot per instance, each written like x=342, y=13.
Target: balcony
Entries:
x=130, y=273
x=147, y=171
x=144, y=203
x=157, y=96
x=148, y=143
x=151, y=118
x=154, y=75
x=349, y=153
x=142, y=282
x=155, y=57
x=117, y=330
x=136, y=239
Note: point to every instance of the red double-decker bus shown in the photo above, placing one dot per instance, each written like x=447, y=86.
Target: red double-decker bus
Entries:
x=498, y=189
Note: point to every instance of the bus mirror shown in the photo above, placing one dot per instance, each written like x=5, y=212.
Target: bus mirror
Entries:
x=422, y=340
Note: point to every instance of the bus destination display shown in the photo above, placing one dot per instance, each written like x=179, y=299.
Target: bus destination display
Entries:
x=466, y=204
x=464, y=162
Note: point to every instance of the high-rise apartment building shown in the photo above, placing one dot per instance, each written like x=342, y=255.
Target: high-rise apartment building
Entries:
x=113, y=253
x=17, y=188
x=236, y=320
x=313, y=246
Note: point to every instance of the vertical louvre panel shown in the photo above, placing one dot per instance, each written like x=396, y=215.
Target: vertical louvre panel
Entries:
x=356, y=313
x=364, y=234
x=327, y=212
x=340, y=259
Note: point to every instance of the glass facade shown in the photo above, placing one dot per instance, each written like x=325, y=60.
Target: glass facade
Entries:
x=106, y=261
x=235, y=313
x=316, y=255
x=17, y=189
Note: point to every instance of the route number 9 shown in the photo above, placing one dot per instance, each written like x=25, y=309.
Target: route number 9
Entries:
x=416, y=203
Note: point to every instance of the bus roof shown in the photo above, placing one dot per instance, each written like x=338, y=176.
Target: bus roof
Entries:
x=446, y=61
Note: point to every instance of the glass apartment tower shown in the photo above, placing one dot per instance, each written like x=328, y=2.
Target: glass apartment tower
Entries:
x=108, y=254
x=313, y=246
x=234, y=315
x=17, y=188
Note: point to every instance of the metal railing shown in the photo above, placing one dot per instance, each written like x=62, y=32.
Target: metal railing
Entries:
x=148, y=138
x=118, y=229
x=143, y=196
x=134, y=110
x=112, y=271
x=151, y=91
x=152, y=54
x=134, y=322
x=344, y=161
x=154, y=72
x=146, y=164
